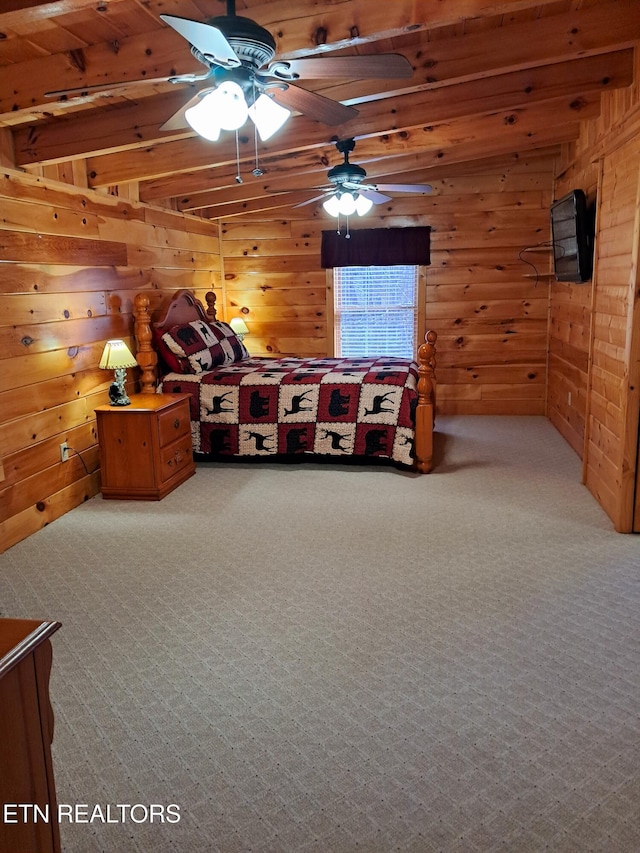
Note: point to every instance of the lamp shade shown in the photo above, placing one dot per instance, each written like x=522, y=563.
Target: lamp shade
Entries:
x=332, y=205
x=223, y=109
x=347, y=204
x=116, y=355
x=363, y=205
x=239, y=326
x=202, y=118
x=268, y=116
x=231, y=105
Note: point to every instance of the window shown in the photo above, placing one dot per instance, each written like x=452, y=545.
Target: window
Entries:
x=376, y=310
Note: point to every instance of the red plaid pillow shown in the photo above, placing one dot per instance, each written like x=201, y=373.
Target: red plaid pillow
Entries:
x=167, y=361
x=198, y=346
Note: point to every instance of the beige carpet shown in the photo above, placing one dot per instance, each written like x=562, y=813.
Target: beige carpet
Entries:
x=335, y=659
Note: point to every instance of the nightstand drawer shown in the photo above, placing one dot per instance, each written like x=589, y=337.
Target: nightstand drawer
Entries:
x=175, y=457
x=174, y=423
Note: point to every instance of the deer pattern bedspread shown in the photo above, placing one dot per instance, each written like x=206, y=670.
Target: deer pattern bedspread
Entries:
x=330, y=406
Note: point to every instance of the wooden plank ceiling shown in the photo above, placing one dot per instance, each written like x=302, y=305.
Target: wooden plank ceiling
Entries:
x=490, y=78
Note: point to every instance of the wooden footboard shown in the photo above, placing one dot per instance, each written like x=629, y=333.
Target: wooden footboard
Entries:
x=426, y=408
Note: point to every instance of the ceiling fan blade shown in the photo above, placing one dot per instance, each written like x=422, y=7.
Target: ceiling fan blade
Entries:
x=310, y=200
x=178, y=121
x=386, y=65
x=421, y=189
x=374, y=195
x=209, y=40
x=312, y=104
x=105, y=89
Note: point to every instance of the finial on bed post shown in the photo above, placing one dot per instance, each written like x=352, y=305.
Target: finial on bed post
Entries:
x=426, y=407
x=145, y=356
x=211, y=304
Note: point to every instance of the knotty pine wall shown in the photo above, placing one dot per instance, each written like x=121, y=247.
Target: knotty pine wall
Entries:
x=71, y=262
x=491, y=317
x=594, y=354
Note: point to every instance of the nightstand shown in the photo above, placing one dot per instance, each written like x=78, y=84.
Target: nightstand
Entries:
x=145, y=448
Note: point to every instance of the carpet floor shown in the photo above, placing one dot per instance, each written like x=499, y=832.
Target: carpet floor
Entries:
x=334, y=658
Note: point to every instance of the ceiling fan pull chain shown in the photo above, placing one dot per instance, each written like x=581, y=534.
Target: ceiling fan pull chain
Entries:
x=257, y=172
x=238, y=176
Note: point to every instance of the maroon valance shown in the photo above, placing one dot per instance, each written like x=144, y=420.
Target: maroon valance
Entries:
x=376, y=247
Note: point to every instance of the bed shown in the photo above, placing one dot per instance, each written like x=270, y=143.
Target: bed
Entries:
x=247, y=407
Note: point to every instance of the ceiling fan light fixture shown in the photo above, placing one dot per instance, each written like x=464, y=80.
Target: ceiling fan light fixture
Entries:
x=343, y=203
x=268, y=116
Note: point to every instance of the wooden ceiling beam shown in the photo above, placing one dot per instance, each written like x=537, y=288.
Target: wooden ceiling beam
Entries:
x=481, y=147
x=106, y=131
x=23, y=11
x=269, y=14
x=261, y=204
x=383, y=158
x=377, y=118
x=309, y=29
x=158, y=54
x=131, y=126
x=609, y=25
x=458, y=165
x=481, y=88
x=509, y=91
x=538, y=125
x=161, y=52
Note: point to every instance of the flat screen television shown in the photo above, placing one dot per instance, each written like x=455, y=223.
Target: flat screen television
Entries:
x=572, y=232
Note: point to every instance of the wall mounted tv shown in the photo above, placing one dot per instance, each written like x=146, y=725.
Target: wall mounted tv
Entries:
x=572, y=232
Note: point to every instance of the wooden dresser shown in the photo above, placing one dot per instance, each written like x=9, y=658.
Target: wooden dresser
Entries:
x=145, y=448
x=26, y=732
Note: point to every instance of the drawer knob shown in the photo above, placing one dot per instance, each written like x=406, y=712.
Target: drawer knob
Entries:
x=176, y=423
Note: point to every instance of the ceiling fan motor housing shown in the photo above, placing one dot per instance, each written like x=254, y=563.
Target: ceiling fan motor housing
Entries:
x=252, y=43
x=346, y=173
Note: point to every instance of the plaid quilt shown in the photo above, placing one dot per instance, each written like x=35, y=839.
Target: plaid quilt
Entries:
x=330, y=406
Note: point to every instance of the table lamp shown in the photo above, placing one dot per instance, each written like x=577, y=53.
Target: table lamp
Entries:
x=239, y=327
x=117, y=356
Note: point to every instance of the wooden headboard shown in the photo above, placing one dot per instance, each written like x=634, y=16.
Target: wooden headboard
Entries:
x=183, y=307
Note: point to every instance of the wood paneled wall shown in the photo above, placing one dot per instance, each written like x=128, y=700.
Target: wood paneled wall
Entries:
x=73, y=259
x=71, y=262
x=481, y=297
x=593, y=345
x=273, y=279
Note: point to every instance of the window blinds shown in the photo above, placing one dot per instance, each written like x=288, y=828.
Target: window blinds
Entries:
x=375, y=310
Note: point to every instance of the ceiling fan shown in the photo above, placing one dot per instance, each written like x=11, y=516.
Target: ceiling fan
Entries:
x=349, y=194
x=239, y=57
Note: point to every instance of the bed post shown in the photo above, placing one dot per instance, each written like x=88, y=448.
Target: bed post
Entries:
x=426, y=407
x=146, y=355
x=211, y=304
